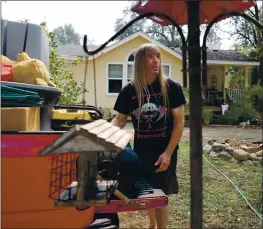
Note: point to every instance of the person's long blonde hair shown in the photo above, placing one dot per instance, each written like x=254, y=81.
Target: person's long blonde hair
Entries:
x=140, y=76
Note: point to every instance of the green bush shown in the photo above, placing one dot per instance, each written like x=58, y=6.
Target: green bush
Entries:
x=61, y=70
x=248, y=106
x=207, y=115
x=237, y=79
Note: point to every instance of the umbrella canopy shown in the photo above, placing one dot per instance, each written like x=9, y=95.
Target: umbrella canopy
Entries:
x=177, y=10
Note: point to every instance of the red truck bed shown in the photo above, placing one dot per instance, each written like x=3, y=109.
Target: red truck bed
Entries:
x=26, y=181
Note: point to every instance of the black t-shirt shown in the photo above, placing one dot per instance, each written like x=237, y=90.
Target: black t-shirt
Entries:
x=154, y=131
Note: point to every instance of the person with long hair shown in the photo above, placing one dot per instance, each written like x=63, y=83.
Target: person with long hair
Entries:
x=155, y=103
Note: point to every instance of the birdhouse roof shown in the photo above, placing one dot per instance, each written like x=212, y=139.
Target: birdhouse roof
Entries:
x=96, y=136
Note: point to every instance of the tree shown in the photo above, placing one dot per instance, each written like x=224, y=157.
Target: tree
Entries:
x=24, y=20
x=248, y=37
x=66, y=35
x=60, y=69
x=128, y=15
x=166, y=35
x=213, y=41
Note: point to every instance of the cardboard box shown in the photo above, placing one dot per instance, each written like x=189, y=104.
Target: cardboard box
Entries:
x=20, y=119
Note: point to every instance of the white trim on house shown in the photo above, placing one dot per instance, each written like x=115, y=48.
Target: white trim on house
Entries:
x=129, y=53
x=119, y=43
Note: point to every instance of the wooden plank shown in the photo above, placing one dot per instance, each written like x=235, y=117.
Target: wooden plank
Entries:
x=91, y=125
x=123, y=141
x=116, y=136
x=97, y=136
x=107, y=133
x=99, y=129
x=83, y=190
x=86, y=142
x=60, y=141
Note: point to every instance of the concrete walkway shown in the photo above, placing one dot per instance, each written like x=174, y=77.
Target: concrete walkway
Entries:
x=220, y=133
x=225, y=133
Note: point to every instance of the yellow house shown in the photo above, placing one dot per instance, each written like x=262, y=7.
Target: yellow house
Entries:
x=114, y=65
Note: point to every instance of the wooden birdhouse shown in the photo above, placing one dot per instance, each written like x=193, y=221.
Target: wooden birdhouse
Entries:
x=74, y=169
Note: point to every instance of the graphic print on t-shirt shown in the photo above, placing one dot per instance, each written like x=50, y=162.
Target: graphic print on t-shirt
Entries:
x=150, y=117
x=150, y=112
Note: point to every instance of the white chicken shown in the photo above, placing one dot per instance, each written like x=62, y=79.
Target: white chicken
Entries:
x=243, y=124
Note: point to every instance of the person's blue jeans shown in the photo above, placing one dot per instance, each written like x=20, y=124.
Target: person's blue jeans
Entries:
x=129, y=165
x=129, y=169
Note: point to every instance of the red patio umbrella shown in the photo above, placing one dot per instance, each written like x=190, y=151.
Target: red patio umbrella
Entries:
x=177, y=9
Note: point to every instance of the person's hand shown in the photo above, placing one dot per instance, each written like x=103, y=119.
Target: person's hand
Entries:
x=164, y=162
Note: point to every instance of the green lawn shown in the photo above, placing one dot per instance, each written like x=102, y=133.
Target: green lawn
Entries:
x=223, y=206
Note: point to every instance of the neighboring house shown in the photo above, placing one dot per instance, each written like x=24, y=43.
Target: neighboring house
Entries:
x=114, y=67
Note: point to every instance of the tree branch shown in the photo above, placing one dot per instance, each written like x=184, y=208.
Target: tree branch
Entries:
x=256, y=12
x=246, y=37
x=156, y=32
x=255, y=36
x=253, y=14
x=171, y=32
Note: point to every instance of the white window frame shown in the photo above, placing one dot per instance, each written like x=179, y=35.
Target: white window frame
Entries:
x=107, y=76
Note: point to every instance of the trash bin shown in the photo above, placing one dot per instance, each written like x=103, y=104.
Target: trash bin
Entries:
x=31, y=38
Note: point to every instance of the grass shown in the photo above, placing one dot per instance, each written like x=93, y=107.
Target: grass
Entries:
x=222, y=205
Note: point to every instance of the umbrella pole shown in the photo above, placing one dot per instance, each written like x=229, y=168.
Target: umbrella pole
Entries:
x=194, y=55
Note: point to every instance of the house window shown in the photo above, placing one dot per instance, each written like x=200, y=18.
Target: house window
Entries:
x=131, y=57
x=115, y=76
x=166, y=70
